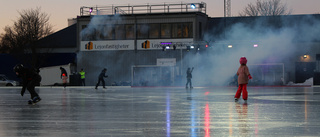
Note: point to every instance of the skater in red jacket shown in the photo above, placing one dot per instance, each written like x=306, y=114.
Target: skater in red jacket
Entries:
x=243, y=78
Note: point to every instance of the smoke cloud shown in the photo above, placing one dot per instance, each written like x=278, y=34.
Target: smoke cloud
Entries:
x=279, y=42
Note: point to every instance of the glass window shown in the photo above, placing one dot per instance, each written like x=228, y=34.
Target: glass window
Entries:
x=176, y=30
x=165, y=30
x=108, y=32
x=99, y=32
x=142, y=31
x=187, y=30
x=154, y=30
x=120, y=31
x=85, y=34
x=129, y=31
x=88, y=34
x=182, y=30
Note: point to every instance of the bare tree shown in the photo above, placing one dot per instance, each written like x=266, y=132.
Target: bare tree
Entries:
x=265, y=8
x=21, y=38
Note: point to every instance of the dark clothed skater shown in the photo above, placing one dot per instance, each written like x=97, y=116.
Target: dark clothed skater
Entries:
x=189, y=77
x=101, y=76
x=30, y=78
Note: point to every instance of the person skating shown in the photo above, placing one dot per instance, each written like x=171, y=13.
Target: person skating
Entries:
x=64, y=80
x=82, y=76
x=189, y=77
x=30, y=78
x=64, y=76
x=243, y=79
x=101, y=76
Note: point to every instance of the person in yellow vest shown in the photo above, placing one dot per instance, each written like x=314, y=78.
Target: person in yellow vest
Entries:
x=82, y=76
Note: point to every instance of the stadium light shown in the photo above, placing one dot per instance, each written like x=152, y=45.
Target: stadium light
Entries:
x=193, y=6
x=90, y=10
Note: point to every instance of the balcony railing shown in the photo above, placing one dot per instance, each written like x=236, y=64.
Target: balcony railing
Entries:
x=144, y=9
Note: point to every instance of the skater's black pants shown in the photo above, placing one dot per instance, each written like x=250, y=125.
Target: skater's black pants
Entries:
x=31, y=86
x=189, y=82
x=102, y=80
x=83, y=83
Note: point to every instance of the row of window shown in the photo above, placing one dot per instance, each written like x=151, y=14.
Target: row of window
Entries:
x=144, y=31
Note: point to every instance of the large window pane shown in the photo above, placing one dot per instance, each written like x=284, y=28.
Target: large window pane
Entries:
x=84, y=34
x=129, y=31
x=108, y=32
x=99, y=32
x=142, y=31
x=177, y=30
x=120, y=31
x=165, y=30
x=154, y=30
x=88, y=34
x=187, y=30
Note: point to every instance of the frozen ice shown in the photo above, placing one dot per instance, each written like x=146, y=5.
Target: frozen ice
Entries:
x=160, y=112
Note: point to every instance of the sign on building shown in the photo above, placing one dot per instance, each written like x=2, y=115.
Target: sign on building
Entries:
x=166, y=61
x=107, y=45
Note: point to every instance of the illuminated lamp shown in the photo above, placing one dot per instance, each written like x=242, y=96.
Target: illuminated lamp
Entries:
x=193, y=6
x=167, y=47
x=305, y=56
x=229, y=46
x=166, y=43
x=255, y=45
x=90, y=10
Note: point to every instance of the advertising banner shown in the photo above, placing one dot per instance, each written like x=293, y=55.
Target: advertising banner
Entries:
x=107, y=45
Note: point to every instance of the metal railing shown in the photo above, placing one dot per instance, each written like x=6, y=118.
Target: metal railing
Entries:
x=144, y=9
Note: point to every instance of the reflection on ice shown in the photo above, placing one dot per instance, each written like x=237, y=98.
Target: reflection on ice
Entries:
x=197, y=112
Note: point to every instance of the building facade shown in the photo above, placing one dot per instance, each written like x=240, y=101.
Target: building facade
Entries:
x=148, y=49
x=153, y=45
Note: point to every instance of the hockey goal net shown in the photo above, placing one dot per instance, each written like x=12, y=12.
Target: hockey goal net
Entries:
x=267, y=74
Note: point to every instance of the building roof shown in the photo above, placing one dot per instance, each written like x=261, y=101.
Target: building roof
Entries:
x=65, y=38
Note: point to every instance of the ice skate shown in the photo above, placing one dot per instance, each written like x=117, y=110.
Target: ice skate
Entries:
x=30, y=102
x=236, y=99
x=36, y=99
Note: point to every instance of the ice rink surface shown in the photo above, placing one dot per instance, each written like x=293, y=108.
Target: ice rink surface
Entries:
x=160, y=112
